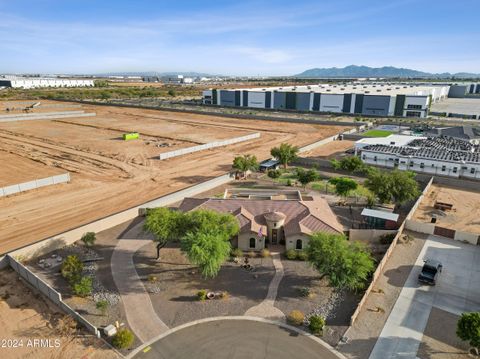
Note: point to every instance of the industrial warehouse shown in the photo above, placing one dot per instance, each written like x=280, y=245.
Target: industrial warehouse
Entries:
x=381, y=99
x=36, y=82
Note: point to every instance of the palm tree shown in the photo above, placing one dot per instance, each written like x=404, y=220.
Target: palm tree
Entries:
x=245, y=163
x=285, y=153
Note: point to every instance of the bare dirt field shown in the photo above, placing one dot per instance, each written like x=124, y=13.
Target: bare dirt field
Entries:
x=109, y=175
x=25, y=315
x=18, y=169
x=464, y=214
x=330, y=149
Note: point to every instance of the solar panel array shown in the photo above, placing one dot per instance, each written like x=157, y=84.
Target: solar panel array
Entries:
x=435, y=148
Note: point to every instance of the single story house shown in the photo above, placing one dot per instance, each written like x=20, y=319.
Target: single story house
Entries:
x=263, y=222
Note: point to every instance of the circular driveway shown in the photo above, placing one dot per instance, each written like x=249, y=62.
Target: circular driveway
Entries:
x=236, y=339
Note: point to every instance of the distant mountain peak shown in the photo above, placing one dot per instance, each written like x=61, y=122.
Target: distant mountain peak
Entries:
x=385, y=71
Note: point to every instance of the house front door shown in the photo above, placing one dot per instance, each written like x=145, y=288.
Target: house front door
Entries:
x=274, y=236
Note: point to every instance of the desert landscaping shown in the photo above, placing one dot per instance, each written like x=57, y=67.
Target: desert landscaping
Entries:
x=109, y=174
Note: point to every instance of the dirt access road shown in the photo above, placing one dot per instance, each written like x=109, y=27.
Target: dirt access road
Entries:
x=109, y=175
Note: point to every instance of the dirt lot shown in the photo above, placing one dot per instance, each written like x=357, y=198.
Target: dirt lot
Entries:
x=330, y=149
x=464, y=214
x=25, y=315
x=109, y=175
x=18, y=169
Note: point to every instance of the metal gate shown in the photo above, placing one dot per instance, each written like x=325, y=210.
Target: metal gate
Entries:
x=444, y=232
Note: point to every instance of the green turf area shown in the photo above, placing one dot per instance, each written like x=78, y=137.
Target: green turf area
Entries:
x=377, y=133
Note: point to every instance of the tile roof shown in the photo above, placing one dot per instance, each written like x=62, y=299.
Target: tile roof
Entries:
x=300, y=216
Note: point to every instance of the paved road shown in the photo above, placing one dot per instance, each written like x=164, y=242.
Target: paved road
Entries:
x=236, y=339
x=457, y=290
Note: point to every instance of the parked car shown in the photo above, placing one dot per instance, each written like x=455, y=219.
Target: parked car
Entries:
x=430, y=271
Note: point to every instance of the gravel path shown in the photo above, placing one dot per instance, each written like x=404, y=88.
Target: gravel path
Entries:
x=141, y=316
x=266, y=308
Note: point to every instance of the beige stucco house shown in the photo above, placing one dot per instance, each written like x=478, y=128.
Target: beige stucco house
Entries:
x=266, y=221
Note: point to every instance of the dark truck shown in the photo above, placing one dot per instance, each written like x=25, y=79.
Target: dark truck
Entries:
x=430, y=270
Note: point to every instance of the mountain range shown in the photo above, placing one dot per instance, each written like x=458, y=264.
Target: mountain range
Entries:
x=386, y=71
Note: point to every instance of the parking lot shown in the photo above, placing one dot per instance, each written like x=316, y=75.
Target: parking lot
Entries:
x=457, y=291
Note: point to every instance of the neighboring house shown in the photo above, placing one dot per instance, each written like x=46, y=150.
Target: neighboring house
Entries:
x=288, y=222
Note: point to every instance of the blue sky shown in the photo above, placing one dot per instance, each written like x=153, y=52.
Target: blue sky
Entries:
x=237, y=37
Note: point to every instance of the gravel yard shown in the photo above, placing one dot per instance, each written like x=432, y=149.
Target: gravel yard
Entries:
x=174, y=290
x=335, y=306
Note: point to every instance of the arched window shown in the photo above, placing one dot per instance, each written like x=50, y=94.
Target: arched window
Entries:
x=252, y=242
x=299, y=244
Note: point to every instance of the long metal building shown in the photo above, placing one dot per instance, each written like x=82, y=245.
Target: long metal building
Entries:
x=381, y=99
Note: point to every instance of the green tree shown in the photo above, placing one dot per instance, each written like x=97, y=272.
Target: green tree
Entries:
x=123, y=339
x=208, y=250
x=72, y=268
x=305, y=177
x=286, y=153
x=395, y=186
x=316, y=324
x=245, y=163
x=83, y=287
x=347, y=265
x=343, y=185
x=166, y=225
x=468, y=328
x=88, y=239
x=274, y=174
x=349, y=163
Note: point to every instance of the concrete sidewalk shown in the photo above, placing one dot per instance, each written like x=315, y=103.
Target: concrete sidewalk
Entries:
x=141, y=317
x=266, y=308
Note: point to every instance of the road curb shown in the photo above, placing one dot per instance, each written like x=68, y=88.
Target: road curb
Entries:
x=239, y=317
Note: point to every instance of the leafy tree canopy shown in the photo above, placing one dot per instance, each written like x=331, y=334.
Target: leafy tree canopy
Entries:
x=245, y=163
x=286, y=153
x=305, y=177
x=397, y=186
x=343, y=185
x=350, y=164
x=347, y=265
x=468, y=328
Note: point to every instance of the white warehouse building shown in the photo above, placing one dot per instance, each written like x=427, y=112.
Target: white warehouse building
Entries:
x=382, y=99
x=36, y=82
x=444, y=156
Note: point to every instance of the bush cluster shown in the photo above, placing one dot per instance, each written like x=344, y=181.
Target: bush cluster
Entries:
x=202, y=295
x=236, y=252
x=71, y=270
x=264, y=253
x=123, y=339
x=316, y=324
x=274, y=173
x=294, y=254
x=295, y=317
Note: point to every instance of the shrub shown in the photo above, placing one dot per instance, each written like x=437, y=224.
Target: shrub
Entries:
x=304, y=291
x=289, y=182
x=316, y=324
x=251, y=254
x=102, y=306
x=291, y=254
x=123, y=339
x=83, y=287
x=295, y=317
x=202, y=295
x=264, y=253
x=72, y=268
x=274, y=174
x=88, y=239
x=151, y=278
x=302, y=255
x=387, y=238
x=224, y=295
x=236, y=252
